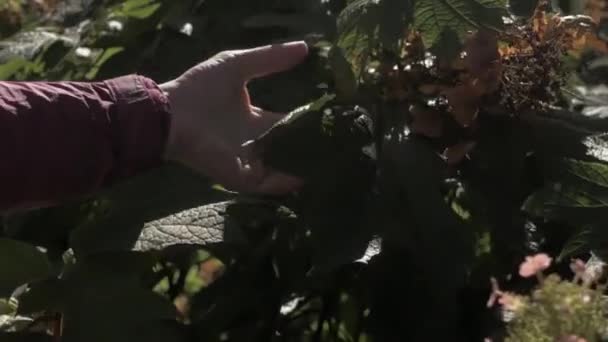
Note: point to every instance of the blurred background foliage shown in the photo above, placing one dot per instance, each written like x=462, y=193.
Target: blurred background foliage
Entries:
x=94, y=257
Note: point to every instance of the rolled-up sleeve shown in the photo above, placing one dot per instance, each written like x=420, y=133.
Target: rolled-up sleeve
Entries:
x=60, y=140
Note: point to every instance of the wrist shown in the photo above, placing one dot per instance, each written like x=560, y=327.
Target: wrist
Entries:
x=171, y=149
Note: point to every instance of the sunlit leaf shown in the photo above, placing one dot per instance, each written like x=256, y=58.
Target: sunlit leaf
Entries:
x=357, y=27
x=139, y=9
x=578, y=194
x=10, y=68
x=344, y=77
x=363, y=24
x=102, y=59
x=197, y=226
x=595, y=173
x=432, y=17
x=577, y=243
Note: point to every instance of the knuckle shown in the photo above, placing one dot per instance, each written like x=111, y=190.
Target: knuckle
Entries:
x=225, y=56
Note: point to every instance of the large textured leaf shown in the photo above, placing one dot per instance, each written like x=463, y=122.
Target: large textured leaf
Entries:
x=313, y=141
x=130, y=204
x=20, y=263
x=197, y=226
x=138, y=9
x=595, y=173
x=358, y=13
x=364, y=23
x=578, y=193
x=104, y=297
x=433, y=17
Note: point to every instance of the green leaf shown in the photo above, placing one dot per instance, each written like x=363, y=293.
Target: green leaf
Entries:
x=558, y=195
x=591, y=238
x=357, y=13
x=42, y=296
x=197, y=226
x=103, y=58
x=577, y=193
x=20, y=263
x=365, y=23
x=133, y=203
x=138, y=9
x=10, y=68
x=313, y=141
x=106, y=297
x=593, y=172
x=577, y=243
x=344, y=77
x=433, y=17
x=412, y=169
x=6, y=307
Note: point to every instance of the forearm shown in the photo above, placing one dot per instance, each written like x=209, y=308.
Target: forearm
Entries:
x=60, y=140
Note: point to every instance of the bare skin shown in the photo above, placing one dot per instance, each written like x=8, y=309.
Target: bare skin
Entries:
x=213, y=117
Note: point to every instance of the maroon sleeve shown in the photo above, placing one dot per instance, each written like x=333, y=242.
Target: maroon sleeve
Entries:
x=60, y=140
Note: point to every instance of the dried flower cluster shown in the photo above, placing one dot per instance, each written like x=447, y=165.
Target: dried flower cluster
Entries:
x=533, y=55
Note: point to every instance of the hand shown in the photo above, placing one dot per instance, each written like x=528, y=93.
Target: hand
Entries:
x=212, y=117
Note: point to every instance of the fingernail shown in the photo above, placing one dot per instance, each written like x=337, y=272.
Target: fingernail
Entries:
x=296, y=43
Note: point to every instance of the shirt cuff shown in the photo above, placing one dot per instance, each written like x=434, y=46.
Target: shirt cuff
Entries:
x=140, y=120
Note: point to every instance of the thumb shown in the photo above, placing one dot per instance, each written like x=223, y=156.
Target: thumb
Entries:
x=269, y=59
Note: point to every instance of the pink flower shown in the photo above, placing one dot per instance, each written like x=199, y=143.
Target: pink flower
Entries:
x=495, y=294
x=534, y=264
x=510, y=301
x=578, y=267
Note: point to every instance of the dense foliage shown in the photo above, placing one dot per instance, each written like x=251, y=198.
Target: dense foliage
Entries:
x=441, y=141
